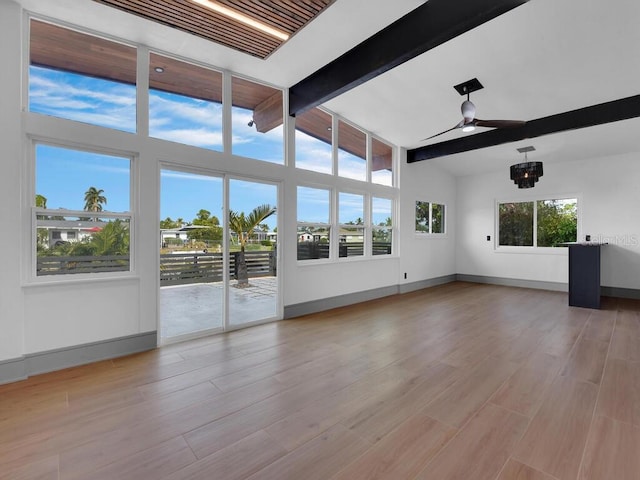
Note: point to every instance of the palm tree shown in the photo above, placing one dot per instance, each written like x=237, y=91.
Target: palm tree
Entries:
x=94, y=199
x=244, y=226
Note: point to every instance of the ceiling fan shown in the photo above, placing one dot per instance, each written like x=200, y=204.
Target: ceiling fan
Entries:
x=469, y=121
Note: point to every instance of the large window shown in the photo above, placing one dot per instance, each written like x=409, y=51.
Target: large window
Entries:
x=314, y=223
x=351, y=224
x=430, y=218
x=314, y=140
x=381, y=163
x=257, y=116
x=81, y=77
x=381, y=225
x=352, y=152
x=542, y=223
x=185, y=103
x=82, y=211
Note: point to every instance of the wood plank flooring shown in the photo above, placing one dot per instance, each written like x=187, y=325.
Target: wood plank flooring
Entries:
x=461, y=381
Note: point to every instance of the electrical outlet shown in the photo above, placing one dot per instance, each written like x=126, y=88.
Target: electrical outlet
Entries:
x=587, y=238
x=488, y=238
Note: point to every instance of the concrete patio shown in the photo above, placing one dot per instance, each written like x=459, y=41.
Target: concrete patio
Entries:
x=195, y=307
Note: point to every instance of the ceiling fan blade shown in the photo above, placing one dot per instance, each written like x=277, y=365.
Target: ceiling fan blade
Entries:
x=499, y=123
x=458, y=125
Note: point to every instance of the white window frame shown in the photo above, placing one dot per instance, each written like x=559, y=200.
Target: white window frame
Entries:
x=534, y=249
x=431, y=234
x=365, y=226
x=377, y=227
x=329, y=226
x=32, y=276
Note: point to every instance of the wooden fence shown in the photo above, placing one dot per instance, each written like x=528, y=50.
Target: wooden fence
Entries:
x=184, y=268
x=56, y=265
x=313, y=250
x=175, y=268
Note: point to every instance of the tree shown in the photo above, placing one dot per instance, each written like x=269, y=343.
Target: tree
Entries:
x=244, y=227
x=516, y=224
x=113, y=239
x=167, y=223
x=41, y=201
x=94, y=199
x=212, y=231
x=422, y=217
x=557, y=222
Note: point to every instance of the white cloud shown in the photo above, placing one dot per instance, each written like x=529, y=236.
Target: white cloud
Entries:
x=198, y=137
x=176, y=109
x=350, y=166
x=82, y=99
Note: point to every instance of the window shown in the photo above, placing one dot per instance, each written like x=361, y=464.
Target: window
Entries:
x=430, y=218
x=437, y=218
x=68, y=79
x=381, y=163
x=351, y=224
x=313, y=141
x=257, y=116
x=381, y=225
x=86, y=195
x=556, y=222
x=516, y=224
x=185, y=103
x=352, y=152
x=314, y=223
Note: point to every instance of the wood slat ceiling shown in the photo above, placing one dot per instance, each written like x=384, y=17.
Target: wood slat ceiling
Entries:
x=288, y=16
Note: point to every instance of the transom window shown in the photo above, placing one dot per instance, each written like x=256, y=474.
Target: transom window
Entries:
x=314, y=140
x=257, y=116
x=67, y=79
x=185, y=103
x=352, y=152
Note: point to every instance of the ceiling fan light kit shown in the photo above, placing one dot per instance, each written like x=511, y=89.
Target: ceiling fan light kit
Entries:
x=469, y=121
x=526, y=174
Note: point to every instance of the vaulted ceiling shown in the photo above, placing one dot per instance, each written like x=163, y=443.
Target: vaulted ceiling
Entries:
x=539, y=59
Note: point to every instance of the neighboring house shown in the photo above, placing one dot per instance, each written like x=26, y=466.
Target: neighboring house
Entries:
x=173, y=236
x=67, y=231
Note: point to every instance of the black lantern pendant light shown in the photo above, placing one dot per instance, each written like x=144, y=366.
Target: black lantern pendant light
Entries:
x=526, y=174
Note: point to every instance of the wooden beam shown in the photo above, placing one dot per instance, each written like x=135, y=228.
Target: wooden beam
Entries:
x=426, y=27
x=268, y=113
x=600, y=114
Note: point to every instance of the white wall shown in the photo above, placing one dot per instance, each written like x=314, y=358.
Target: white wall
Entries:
x=608, y=211
x=11, y=315
x=426, y=256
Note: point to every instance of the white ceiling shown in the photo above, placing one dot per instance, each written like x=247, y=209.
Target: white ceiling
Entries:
x=542, y=58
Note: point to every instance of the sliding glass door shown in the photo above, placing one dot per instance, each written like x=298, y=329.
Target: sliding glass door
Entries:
x=208, y=284
x=191, y=254
x=253, y=293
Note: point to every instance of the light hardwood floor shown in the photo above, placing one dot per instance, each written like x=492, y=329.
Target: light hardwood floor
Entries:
x=462, y=381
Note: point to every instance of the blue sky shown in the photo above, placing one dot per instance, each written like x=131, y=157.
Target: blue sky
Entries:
x=63, y=175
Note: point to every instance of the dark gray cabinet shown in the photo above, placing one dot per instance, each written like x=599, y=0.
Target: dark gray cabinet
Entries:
x=584, y=275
